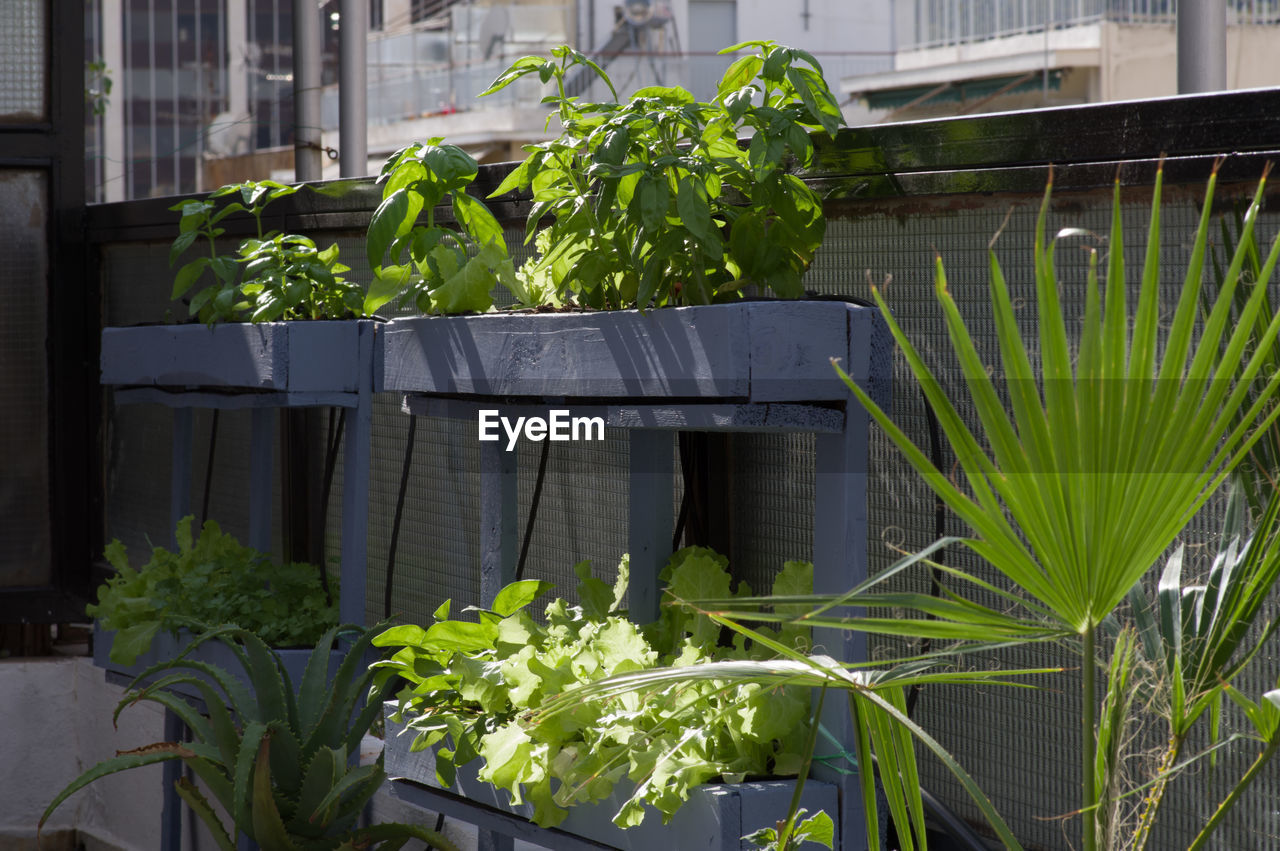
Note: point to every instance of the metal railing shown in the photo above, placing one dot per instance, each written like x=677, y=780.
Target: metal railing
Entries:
x=937, y=23
x=403, y=90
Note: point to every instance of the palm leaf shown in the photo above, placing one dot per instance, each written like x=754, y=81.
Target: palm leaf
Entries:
x=1088, y=484
x=1105, y=461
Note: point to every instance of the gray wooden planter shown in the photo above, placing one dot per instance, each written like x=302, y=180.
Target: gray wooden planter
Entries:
x=714, y=818
x=293, y=357
x=259, y=367
x=750, y=366
x=764, y=351
x=166, y=646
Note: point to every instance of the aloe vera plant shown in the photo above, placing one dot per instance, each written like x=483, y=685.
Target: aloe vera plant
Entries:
x=278, y=761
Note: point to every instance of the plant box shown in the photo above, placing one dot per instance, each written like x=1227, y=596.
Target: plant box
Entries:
x=167, y=646
x=754, y=351
x=296, y=357
x=715, y=817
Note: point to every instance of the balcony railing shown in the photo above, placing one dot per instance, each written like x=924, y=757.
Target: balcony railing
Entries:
x=404, y=89
x=936, y=23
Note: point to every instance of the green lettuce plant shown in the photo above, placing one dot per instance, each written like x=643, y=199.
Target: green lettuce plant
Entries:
x=211, y=580
x=799, y=828
x=653, y=201
x=277, y=759
x=272, y=275
x=480, y=689
x=876, y=690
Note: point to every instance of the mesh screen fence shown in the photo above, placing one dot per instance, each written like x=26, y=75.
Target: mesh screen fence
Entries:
x=23, y=63
x=1031, y=774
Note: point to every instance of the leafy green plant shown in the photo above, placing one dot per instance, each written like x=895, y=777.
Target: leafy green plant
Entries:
x=654, y=201
x=435, y=268
x=278, y=760
x=1111, y=452
x=210, y=580
x=482, y=689
x=1198, y=637
x=272, y=276
x=1073, y=497
x=815, y=828
x=876, y=691
x=97, y=86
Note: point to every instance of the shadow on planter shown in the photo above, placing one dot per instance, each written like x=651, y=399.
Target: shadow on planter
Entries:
x=714, y=818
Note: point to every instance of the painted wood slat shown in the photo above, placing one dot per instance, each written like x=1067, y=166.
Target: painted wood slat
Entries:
x=714, y=818
x=282, y=356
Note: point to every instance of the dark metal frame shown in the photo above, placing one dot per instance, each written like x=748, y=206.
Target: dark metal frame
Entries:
x=890, y=168
x=56, y=146
x=1088, y=147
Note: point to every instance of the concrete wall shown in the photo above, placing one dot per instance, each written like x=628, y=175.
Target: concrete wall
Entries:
x=1102, y=61
x=57, y=723
x=847, y=25
x=1141, y=61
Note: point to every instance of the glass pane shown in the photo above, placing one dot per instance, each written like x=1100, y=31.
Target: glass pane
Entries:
x=24, y=427
x=23, y=46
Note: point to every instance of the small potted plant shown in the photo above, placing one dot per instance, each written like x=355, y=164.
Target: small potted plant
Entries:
x=648, y=203
x=149, y=614
x=273, y=325
x=241, y=305
x=279, y=766
x=474, y=716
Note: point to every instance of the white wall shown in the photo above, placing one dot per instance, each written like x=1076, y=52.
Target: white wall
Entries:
x=57, y=723
x=1142, y=62
x=835, y=26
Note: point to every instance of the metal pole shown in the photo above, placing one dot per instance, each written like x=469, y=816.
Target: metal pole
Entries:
x=308, y=163
x=353, y=141
x=1202, y=46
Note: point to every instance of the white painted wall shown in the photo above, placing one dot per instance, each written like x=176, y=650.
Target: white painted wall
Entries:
x=1142, y=62
x=835, y=26
x=57, y=723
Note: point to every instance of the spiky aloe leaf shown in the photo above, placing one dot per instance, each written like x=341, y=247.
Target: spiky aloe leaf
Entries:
x=158, y=692
x=286, y=762
x=314, y=685
x=269, y=681
x=268, y=828
x=347, y=797
x=217, y=728
x=148, y=755
x=241, y=700
x=199, y=805
x=347, y=689
x=320, y=777
x=246, y=757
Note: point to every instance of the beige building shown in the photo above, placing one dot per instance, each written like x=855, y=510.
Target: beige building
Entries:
x=949, y=64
